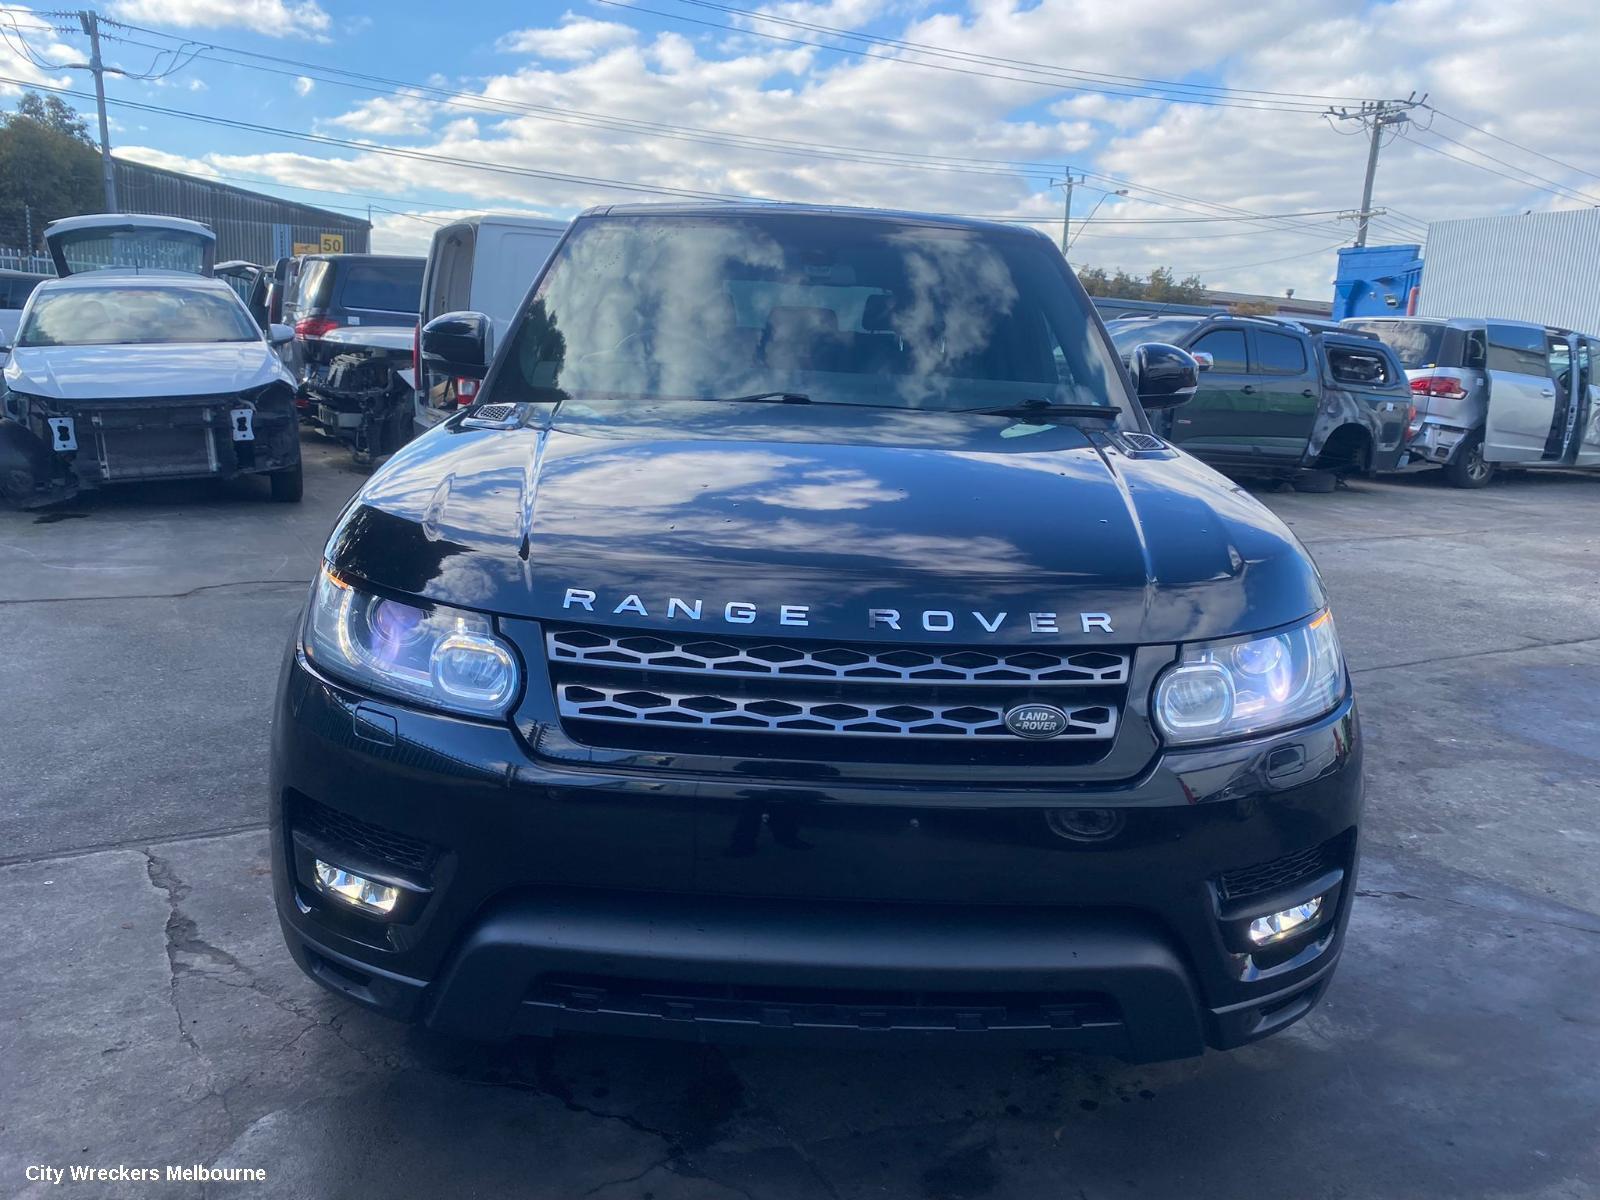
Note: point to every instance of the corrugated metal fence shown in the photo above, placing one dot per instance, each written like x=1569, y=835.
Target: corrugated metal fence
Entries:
x=1542, y=267
x=248, y=224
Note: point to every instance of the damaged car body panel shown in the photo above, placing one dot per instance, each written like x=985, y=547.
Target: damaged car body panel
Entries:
x=358, y=387
x=120, y=377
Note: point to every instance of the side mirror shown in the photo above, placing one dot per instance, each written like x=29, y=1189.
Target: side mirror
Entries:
x=279, y=335
x=1202, y=359
x=1164, y=375
x=459, y=344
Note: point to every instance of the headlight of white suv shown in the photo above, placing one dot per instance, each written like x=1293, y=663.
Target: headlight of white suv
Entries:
x=1244, y=686
x=438, y=656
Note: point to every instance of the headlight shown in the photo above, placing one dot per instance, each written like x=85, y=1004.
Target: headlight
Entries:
x=1243, y=686
x=442, y=657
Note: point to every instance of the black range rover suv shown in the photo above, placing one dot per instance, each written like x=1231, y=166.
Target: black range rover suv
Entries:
x=807, y=637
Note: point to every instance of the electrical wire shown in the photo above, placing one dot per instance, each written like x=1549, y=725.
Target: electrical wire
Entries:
x=1565, y=193
x=1507, y=141
x=1024, y=74
x=994, y=60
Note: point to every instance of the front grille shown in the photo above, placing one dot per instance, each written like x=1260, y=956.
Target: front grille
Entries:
x=783, y=1006
x=648, y=652
x=1281, y=872
x=685, y=692
x=344, y=832
x=772, y=715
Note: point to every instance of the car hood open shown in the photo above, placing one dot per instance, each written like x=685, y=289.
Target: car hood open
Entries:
x=112, y=372
x=831, y=510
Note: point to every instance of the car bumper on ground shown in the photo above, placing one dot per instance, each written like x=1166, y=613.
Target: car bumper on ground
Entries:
x=535, y=900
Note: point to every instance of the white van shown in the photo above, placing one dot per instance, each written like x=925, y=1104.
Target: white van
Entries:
x=477, y=264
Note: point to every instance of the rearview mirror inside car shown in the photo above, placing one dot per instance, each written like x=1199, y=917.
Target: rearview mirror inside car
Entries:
x=1164, y=375
x=458, y=344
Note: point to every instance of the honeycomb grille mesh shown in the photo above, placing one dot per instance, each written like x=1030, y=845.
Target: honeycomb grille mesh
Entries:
x=1280, y=872
x=647, y=652
x=774, y=715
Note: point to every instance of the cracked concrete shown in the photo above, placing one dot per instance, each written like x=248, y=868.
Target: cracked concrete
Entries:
x=150, y=1015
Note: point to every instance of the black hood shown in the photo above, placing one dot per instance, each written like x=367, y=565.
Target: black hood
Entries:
x=835, y=511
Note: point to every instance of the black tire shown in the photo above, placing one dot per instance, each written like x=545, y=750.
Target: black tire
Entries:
x=1468, y=469
x=289, y=484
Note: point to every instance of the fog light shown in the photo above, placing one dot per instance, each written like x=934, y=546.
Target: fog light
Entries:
x=1279, y=925
x=362, y=893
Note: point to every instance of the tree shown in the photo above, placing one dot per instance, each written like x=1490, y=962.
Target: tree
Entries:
x=53, y=113
x=48, y=169
x=1161, y=285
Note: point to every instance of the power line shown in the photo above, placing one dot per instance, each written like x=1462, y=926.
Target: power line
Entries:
x=970, y=56
x=1023, y=74
x=399, y=152
x=1565, y=193
x=632, y=125
x=1555, y=185
x=1507, y=141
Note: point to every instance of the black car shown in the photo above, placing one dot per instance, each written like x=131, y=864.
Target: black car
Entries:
x=325, y=292
x=807, y=637
x=1283, y=398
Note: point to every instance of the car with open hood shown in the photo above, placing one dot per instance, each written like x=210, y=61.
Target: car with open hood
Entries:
x=807, y=637
x=121, y=376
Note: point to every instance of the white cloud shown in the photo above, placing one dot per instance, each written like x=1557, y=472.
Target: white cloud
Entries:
x=303, y=85
x=575, y=39
x=1521, y=71
x=275, y=18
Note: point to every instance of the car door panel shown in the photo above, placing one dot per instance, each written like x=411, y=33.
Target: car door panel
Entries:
x=1522, y=394
x=1211, y=421
x=1288, y=390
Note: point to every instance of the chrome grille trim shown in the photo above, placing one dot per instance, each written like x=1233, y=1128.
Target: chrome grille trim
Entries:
x=646, y=706
x=891, y=664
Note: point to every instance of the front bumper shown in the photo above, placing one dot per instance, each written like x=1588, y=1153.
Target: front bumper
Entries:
x=544, y=900
x=75, y=445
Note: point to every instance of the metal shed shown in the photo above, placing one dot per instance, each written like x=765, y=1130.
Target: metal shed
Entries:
x=248, y=225
x=1541, y=267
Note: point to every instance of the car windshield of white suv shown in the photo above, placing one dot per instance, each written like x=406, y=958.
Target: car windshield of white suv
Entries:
x=135, y=316
x=841, y=310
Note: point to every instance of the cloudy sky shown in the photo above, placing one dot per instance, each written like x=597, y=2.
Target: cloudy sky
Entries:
x=1206, y=118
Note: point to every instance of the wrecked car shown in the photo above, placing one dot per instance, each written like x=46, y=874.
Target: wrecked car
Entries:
x=118, y=377
x=1493, y=394
x=357, y=386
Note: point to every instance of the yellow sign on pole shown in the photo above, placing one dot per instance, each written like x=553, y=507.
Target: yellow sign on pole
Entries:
x=333, y=243
x=306, y=248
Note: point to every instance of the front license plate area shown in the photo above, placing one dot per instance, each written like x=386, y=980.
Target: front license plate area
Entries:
x=241, y=422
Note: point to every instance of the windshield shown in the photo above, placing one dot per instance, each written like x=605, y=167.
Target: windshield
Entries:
x=386, y=284
x=134, y=316
x=1415, y=343
x=1125, y=335
x=838, y=309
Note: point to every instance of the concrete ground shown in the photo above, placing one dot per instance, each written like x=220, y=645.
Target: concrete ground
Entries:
x=149, y=1014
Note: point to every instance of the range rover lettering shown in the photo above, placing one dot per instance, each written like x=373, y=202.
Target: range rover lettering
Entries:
x=805, y=637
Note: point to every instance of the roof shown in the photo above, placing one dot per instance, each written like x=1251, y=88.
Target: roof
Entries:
x=109, y=221
x=552, y=224
x=774, y=208
x=117, y=277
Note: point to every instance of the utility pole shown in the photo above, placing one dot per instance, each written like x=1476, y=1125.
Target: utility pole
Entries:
x=1376, y=116
x=1066, y=205
x=90, y=21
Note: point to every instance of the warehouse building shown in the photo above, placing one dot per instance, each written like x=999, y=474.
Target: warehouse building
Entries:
x=1541, y=267
x=248, y=225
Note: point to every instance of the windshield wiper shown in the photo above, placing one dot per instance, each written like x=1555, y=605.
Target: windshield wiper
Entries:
x=1043, y=408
